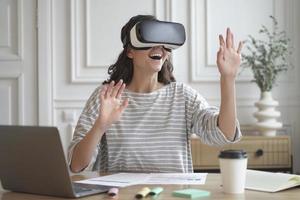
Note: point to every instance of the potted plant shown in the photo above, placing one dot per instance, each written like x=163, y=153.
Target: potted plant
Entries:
x=267, y=60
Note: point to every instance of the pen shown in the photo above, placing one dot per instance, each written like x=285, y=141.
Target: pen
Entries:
x=142, y=193
x=112, y=192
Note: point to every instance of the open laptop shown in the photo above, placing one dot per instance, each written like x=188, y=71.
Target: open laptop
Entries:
x=32, y=161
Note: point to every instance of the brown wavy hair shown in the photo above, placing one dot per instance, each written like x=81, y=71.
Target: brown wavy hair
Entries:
x=123, y=68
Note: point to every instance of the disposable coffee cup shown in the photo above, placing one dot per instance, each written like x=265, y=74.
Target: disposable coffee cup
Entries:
x=233, y=166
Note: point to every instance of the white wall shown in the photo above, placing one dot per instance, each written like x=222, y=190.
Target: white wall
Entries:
x=79, y=39
x=18, y=68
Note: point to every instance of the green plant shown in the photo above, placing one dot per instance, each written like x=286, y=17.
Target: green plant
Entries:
x=267, y=59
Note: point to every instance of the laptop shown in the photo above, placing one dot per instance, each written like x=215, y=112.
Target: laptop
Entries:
x=32, y=161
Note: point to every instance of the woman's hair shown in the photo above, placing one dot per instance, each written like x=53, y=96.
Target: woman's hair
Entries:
x=123, y=68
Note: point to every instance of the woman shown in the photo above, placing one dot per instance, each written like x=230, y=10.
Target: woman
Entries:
x=140, y=119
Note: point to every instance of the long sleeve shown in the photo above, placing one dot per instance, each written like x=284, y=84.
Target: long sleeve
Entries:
x=84, y=124
x=202, y=119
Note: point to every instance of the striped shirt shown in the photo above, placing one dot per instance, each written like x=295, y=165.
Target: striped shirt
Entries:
x=153, y=132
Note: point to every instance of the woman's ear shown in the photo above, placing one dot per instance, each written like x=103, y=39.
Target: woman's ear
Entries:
x=169, y=56
x=129, y=53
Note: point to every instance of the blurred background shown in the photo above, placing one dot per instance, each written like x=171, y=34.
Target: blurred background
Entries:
x=54, y=53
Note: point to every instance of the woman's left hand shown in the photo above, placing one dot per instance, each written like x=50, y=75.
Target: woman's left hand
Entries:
x=228, y=58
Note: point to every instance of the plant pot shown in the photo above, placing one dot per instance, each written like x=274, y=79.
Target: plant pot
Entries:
x=266, y=115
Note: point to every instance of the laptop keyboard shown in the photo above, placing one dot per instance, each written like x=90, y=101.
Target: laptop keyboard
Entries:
x=80, y=187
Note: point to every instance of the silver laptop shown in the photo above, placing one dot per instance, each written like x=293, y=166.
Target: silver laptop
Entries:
x=32, y=161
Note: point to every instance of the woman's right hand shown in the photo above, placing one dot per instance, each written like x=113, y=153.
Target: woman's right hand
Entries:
x=111, y=105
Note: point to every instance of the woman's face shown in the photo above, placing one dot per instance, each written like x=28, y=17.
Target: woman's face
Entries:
x=149, y=60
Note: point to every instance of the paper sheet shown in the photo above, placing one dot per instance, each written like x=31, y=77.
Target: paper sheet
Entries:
x=178, y=179
x=117, y=180
x=127, y=179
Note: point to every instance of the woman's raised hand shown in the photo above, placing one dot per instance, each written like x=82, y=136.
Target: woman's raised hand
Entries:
x=111, y=105
x=228, y=58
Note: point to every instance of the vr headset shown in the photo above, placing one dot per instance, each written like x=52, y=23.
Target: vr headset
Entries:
x=150, y=33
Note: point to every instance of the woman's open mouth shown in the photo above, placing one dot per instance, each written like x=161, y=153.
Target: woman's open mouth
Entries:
x=155, y=56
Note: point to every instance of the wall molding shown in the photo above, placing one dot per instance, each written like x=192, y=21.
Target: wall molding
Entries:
x=82, y=69
x=86, y=31
x=17, y=56
x=202, y=70
x=19, y=77
x=79, y=58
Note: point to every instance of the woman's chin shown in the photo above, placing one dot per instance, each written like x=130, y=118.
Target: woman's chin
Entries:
x=157, y=68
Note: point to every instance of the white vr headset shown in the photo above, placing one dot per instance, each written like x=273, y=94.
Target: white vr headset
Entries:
x=150, y=33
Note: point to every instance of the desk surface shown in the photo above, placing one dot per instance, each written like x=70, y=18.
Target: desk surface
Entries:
x=212, y=184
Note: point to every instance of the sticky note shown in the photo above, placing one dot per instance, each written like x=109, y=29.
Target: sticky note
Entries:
x=191, y=193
